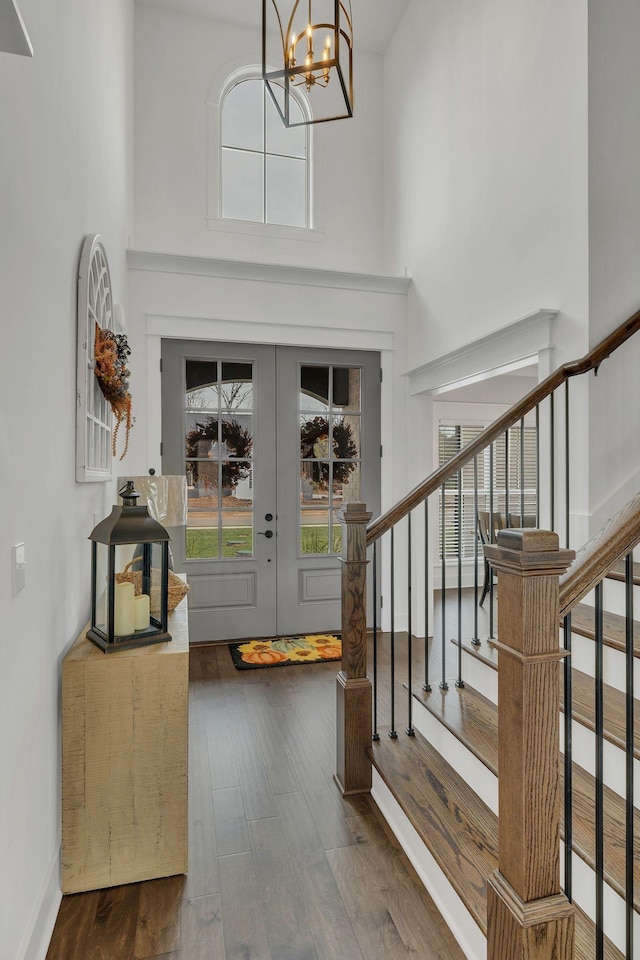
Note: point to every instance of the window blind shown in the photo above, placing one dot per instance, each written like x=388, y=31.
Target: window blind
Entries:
x=519, y=477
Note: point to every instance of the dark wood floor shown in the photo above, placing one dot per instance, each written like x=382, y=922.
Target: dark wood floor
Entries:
x=281, y=868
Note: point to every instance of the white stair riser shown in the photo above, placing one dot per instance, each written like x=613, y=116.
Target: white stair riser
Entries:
x=614, y=662
x=480, y=676
x=584, y=895
x=584, y=745
x=462, y=925
x=466, y=765
x=614, y=598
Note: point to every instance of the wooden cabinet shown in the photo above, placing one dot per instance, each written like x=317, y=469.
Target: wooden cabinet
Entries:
x=124, y=761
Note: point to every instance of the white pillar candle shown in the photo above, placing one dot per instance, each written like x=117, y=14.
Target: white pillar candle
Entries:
x=124, y=618
x=143, y=611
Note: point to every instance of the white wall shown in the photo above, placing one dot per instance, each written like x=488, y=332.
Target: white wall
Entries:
x=486, y=168
x=64, y=172
x=181, y=63
x=614, y=288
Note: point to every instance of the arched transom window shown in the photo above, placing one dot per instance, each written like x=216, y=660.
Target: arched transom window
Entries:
x=264, y=167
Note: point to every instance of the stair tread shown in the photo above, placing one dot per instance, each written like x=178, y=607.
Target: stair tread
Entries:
x=583, y=699
x=474, y=721
x=460, y=831
x=458, y=828
x=617, y=572
x=614, y=628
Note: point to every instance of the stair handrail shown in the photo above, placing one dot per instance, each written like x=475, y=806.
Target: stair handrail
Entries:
x=591, y=361
x=612, y=543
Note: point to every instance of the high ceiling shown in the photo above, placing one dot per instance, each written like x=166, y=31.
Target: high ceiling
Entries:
x=374, y=21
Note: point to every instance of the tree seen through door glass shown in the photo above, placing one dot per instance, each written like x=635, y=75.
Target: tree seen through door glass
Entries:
x=330, y=453
x=219, y=459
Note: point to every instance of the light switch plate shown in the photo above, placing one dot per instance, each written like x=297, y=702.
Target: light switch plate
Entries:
x=19, y=567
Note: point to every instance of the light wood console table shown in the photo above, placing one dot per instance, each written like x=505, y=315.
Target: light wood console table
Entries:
x=124, y=761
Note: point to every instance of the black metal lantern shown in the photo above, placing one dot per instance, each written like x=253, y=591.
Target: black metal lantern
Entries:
x=129, y=577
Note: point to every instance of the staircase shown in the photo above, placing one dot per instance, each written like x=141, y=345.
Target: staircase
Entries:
x=436, y=780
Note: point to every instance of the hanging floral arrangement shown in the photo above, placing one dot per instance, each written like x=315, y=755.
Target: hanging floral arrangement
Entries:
x=111, y=354
x=237, y=444
x=315, y=445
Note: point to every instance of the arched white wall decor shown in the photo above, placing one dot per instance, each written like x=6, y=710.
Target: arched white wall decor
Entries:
x=94, y=420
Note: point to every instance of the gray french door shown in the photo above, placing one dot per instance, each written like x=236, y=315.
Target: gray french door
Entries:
x=273, y=440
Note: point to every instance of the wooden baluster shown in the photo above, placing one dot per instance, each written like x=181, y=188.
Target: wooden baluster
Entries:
x=353, y=734
x=528, y=916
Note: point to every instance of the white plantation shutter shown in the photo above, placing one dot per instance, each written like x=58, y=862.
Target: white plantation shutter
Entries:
x=521, y=477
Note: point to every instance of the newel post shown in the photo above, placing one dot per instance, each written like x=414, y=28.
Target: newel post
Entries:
x=528, y=917
x=353, y=715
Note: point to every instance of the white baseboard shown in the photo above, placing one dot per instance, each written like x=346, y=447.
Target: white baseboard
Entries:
x=462, y=925
x=37, y=937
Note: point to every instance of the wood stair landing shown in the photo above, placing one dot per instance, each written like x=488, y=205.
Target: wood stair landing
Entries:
x=459, y=830
x=473, y=719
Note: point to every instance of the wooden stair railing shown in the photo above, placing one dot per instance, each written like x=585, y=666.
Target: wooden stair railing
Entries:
x=528, y=915
x=591, y=361
x=617, y=538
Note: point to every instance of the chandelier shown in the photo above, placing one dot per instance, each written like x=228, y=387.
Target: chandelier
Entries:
x=308, y=45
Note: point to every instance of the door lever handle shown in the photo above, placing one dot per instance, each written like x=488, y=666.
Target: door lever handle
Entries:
x=267, y=533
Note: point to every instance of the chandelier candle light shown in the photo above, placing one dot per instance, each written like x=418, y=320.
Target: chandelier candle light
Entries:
x=309, y=46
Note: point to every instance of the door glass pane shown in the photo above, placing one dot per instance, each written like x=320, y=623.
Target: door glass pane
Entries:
x=346, y=389
x=336, y=532
x=219, y=466
x=314, y=530
x=237, y=533
x=346, y=437
x=346, y=483
x=314, y=388
x=237, y=386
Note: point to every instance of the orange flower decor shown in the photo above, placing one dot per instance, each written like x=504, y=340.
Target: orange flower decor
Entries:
x=111, y=353
x=282, y=651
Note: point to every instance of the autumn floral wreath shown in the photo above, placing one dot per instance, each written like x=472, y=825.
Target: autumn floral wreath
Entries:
x=239, y=442
x=111, y=354
x=314, y=444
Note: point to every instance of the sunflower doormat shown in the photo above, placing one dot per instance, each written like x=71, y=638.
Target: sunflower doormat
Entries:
x=283, y=652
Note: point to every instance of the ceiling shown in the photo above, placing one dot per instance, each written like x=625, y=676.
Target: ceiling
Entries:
x=374, y=21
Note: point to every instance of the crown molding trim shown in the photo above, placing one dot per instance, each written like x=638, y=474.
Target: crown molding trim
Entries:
x=500, y=351
x=266, y=272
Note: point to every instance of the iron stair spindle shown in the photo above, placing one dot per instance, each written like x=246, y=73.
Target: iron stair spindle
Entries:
x=568, y=763
x=507, y=515
x=599, y=792
x=409, y=731
x=491, y=637
x=376, y=735
x=566, y=459
x=476, y=638
x=443, y=682
x=538, y=465
x=552, y=460
x=392, y=732
x=459, y=681
x=426, y=686
x=630, y=719
x=522, y=472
